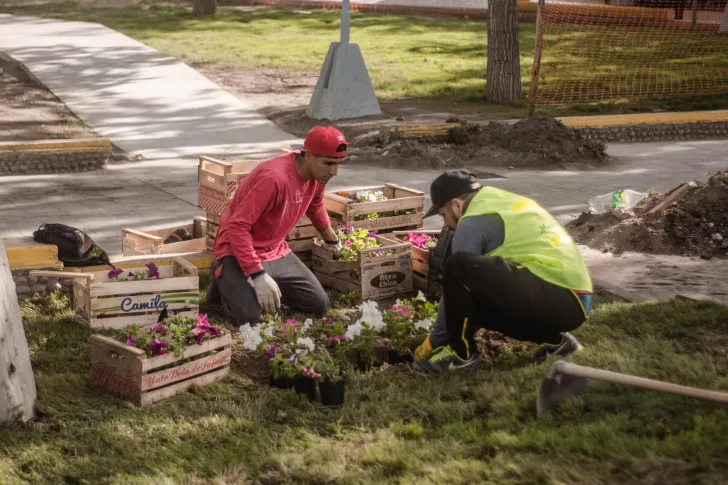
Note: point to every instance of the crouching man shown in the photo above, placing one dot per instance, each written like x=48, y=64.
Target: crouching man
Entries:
x=253, y=268
x=513, y=269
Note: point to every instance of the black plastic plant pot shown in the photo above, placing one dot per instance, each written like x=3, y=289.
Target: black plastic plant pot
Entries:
x=332, y=392
x=394, y=358
x=281, y=382
x=307, y=386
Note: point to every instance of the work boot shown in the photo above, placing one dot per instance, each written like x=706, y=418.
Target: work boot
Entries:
x=568, y=345
x=445, y=359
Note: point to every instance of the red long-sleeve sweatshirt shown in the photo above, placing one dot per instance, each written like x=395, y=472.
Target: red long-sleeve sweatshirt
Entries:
x=266, y=206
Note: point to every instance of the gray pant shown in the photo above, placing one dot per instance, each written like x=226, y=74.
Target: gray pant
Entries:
x=300, y=290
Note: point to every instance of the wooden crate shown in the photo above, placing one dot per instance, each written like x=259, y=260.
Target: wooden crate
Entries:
x=127, y=372
x=420, y=262
x=218, y=180
x=140, y=243
x=106, y=303
x=371, y=278
x=343, y=210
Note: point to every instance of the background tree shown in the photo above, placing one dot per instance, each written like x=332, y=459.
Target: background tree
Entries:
x=503, y=73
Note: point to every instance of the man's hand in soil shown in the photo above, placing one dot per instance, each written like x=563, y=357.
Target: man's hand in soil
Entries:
x=267, y=292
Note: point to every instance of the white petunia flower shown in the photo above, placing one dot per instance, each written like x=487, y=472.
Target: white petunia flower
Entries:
x=371, y=315
x=420, y=296
x=306, y=326
x=251, y=336
x=306, y=342
x=353, y=331
x=423, y=324
x=268, y=332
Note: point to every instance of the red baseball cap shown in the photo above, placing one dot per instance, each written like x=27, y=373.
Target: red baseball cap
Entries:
x=325, y=141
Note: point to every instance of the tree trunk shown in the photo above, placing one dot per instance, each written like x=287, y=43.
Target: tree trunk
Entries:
x=503, y=75
x=204, y=7
x=17, y=384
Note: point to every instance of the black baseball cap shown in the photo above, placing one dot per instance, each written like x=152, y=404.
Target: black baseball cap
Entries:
x=450, y=185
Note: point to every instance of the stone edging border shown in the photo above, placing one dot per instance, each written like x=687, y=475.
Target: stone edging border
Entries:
x=54, y=156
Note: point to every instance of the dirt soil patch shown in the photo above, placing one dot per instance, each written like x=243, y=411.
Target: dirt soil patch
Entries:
x=28, y=111
x=696, y=225
x=541, y=143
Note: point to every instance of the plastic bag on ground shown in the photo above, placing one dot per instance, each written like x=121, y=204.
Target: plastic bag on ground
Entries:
x=621, y=199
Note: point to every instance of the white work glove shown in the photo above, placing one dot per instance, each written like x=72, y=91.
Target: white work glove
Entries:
x=267, y=292
x=335, y=247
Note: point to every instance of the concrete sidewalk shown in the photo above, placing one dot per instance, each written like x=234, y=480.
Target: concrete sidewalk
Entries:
x=145, y=102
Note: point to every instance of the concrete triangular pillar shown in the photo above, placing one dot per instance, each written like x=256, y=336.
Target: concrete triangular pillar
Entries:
x=344, y=89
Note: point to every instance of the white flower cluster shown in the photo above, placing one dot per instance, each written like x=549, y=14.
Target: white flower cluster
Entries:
x=370, y=196
x=251, y=336
x=306, y=326
x=306, y=342
x=425, y=324
x=371, y=316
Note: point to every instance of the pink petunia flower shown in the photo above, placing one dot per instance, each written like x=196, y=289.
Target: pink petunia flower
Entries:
x=158, y=347
x=402, y=310
x=337, y=338
x=130, y=340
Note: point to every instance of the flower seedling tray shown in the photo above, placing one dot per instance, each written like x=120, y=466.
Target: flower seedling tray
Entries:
x=420, y=260
x=218, y=180
x=129, y=373
x=370, y=277
x=107, y=303
x=141, y=243
x=344, y=211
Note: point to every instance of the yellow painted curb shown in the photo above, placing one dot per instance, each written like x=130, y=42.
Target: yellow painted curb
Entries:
x=56, y=144
x=671, y=118
x=24, y=253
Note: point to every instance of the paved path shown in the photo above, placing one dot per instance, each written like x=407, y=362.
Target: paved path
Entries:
x=146, y=102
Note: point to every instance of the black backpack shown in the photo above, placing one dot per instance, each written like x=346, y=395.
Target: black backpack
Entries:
x=75, y=248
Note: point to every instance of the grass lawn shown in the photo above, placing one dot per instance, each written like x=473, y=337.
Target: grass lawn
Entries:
x=430, y=60
x=396, y=426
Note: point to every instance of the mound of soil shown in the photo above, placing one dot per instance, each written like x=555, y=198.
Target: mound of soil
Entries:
x=695, y=225
x=532, y=143
x=494, y=346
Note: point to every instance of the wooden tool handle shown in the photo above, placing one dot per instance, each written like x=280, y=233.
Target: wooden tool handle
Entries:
x=641, y=382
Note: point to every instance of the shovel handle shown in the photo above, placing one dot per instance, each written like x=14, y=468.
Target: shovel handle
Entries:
x=641, y=382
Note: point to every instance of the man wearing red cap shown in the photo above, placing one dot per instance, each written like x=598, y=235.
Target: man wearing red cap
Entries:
x=253, y=268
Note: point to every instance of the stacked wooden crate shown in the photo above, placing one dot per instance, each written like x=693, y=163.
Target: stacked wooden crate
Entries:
x=403, y=209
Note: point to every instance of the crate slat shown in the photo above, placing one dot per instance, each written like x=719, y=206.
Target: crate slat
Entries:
x=116, y=322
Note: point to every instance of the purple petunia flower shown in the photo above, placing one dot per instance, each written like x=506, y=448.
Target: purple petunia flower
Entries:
x=329, y=321
x=153, y=270
x=294, y=356
x=158, y=347
x=270, y=353
x=372, y=233
x=347, y=229
x=130, y=340
x=114, y=273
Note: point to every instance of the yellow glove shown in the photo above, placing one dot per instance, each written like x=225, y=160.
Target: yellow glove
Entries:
x=424, y=351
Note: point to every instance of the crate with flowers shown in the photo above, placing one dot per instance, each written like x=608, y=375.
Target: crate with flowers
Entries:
x=384, y=208
x=325, y=353
x=147, y=364
x=423, y=245
x=370, y=265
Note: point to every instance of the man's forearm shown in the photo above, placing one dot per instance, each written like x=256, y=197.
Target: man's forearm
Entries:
x=329, y=235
